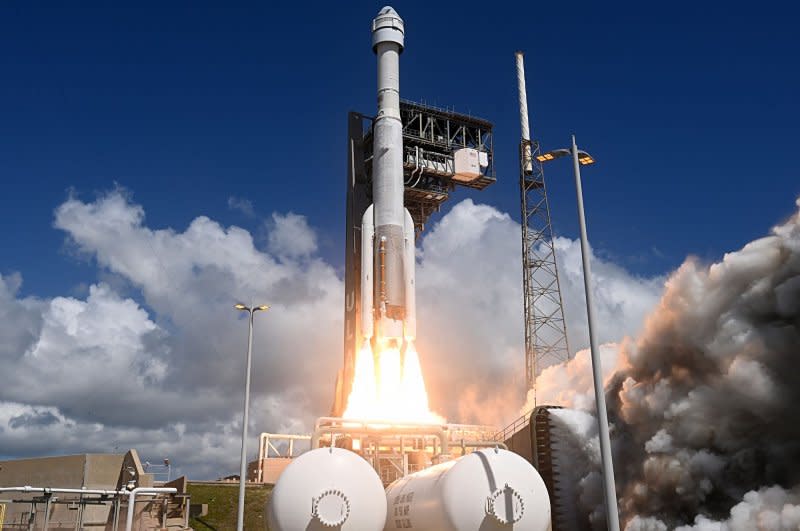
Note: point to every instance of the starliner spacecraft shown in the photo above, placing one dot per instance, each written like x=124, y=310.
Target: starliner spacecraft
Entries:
x=388, y=316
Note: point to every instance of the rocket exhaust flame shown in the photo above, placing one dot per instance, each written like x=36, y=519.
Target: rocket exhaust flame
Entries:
x=365, y=390
x=395, y=391
x=413, y=387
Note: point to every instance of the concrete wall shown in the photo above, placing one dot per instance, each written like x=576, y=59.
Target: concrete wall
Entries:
x=90, y=471
x=102, y=471
x=271, y=469
x=64, y=471
x=521, y=443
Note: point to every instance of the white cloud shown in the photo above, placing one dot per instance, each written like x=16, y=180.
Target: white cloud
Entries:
x=133, y=370
x=290, y=236
x=245, y=206
x=158, y=363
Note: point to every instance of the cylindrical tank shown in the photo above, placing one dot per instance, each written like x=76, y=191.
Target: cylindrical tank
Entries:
x=487, y=490
x=327, y=488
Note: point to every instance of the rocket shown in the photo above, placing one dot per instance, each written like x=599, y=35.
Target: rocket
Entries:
x=388, y=310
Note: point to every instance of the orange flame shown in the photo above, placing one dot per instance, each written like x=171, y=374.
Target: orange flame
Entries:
x=396, y=392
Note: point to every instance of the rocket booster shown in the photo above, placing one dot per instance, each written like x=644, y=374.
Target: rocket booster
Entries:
x=388, y=310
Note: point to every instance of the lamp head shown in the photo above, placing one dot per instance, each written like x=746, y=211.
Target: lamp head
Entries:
x=584, y=158
x=552, y=155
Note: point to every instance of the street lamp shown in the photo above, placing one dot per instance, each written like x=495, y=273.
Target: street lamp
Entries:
x=583, y=157
x=579, y=158
x=243, y=462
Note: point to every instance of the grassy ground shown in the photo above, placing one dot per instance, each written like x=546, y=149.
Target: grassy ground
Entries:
x=223, y=502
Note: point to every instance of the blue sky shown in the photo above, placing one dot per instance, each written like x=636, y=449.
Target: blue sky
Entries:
x=690, y=110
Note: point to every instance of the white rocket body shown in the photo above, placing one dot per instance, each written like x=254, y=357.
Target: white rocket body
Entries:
x=388, y=310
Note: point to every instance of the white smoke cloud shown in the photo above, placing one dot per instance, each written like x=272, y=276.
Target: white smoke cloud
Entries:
x=768, y=509
x=702, y=404
x=570, y=384
x=469, y=283
x=152, y=356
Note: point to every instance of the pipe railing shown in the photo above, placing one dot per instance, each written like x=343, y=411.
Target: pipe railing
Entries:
x=142, y=490
x=334, y=426
x=264, y=446
x=97, y=492
x=131, y=494
x=481, y=444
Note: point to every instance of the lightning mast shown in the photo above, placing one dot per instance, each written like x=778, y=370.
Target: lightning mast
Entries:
x=545, y=329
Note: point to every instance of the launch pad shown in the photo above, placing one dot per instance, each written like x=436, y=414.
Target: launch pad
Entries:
x=396, y=449
x=384, y=459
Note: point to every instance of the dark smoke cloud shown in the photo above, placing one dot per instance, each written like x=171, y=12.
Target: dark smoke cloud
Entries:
x=703, y=406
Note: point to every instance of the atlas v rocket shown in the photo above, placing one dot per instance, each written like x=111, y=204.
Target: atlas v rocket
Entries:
x=388, y=303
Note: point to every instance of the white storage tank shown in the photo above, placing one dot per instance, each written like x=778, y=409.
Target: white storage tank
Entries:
x=487, y=490
x=327, y=488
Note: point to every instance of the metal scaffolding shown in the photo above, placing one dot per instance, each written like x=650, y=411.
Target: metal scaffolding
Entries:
x=545, y=329
x=431, y=136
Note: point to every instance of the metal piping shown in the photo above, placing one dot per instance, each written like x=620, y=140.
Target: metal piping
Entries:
x=97, y=492
x=79, y=519
x=143, y=490
x=421, y=432
x=382, y=269
x=100, y=492
x=379, y=428
x=47, y=511
x=339, y=421
x=116, y=513
x=417, y=168
x=481, y=444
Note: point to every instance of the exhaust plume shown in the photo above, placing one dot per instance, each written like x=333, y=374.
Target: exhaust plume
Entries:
x=703, y=405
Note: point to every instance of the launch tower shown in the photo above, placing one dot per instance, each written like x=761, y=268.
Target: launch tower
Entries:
x=545, y=329
x=442, y=150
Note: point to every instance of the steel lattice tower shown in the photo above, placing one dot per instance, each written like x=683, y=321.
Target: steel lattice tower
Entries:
x=545, y=329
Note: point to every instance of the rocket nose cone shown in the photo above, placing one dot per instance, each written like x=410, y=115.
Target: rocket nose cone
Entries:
x=387, y=26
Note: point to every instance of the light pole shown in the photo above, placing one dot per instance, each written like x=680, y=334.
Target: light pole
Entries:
x=243, y=461
x=609, y=488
